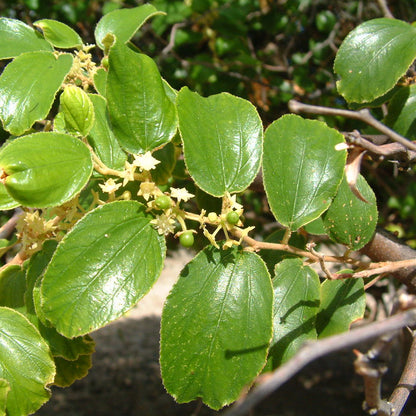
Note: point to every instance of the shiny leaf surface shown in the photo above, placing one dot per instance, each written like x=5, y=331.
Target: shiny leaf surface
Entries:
x=28, y=86
x=222, y=138
x=216, y=326
x=59, y=34
x=301, y=169
x=103, y=266
x=45, y=169
x=373, y=57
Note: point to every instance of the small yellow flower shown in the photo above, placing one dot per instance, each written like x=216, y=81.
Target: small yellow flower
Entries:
x=148, y=189
x=164, y=224
x=128, y=173
x=145, y=161
x=210, y=237
x=109, y=186
x=181, y=194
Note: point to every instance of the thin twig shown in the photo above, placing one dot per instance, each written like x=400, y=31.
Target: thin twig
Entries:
x=363, y=115
x=386, y=267
x=407, y=382
x=314, y=350
x=385, y=9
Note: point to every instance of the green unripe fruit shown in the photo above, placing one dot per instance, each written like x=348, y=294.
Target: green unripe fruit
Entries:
x=163, y=202
x=233, y=218
x=187, y=239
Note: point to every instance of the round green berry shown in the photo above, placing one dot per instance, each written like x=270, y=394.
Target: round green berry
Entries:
x=325, y=21
x=163, y=202
x=233, y=218
x=187, y=239
x=104, y=62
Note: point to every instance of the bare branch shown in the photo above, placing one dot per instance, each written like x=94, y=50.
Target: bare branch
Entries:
x=363, y=115
x=407, y=382
x=314, y=350
x=385, y=9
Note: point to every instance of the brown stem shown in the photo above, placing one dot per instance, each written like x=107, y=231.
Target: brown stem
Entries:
x=314, y=350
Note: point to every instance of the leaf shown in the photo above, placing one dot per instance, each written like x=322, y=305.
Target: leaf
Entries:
x=12, y=287
x=100, y=81
x=28, y=86
x=25, y=362
x=349, y=220
x=17, y=38
x=69, y=371
x=373, y=57
x=123, y=23
x=77, y=110
x=301, y=169
x=142, y=115
x=296, y=304
x=59, y=34
x=45, y=169
x=272, y=257
x=222, y=137
x=342, y=302
x=102, y=267
x=216, y=326
x=6, y=201
x=167, y=157
x=401, y=112
x=102, y=138
x=4, y=391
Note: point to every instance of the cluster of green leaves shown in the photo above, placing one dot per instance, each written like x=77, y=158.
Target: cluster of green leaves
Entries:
x=232, y=312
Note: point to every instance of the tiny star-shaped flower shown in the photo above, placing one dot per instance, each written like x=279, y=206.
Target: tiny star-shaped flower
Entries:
x=128, y=173
x=181, y=194
x=147, y=189
x=164, y=224
x=109, y=186
x=145, y=161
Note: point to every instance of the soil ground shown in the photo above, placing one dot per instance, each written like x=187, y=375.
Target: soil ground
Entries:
x=125, y=378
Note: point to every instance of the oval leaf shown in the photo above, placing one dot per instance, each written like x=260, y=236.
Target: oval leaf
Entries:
x=123, y=23
x=222, y=138
x=77, y=110
x=12, y=287
x=25, y=362
x=301, y=169
x=373, y=57
x=296, y=304
x=401, y=115
x=28, y=86
x=142, y=115
x=6, y=201
x=102, y=138
x=349, y=220
x=45, y=169
x=59, y=34
x=216, y=326
x=342, y=302
x=103, y=266
x=17, y=38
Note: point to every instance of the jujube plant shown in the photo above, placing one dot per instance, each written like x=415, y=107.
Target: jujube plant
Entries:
x=91, y=162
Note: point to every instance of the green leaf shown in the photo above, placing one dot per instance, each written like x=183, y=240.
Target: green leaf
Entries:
x=102, y=267
x=167, y=157
x=12, y=287
x=296, y=304
x=69, y=371
x=301, y=169
x=45, y=169
x=222, y=138
x=272, y=257
x=17, y=38
x=373, y=57
x=102, y=138
x=216, y=326
x=28, y=86
x=59, y=34
x=342, y=302
x=4, y=391
x=142, y=115
x=123, y=23
x=77, y=110
x=316, y=227
x=100, y=81
x=349, y=220
x=25, y=362
x=6, y=201
x=401, y=115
